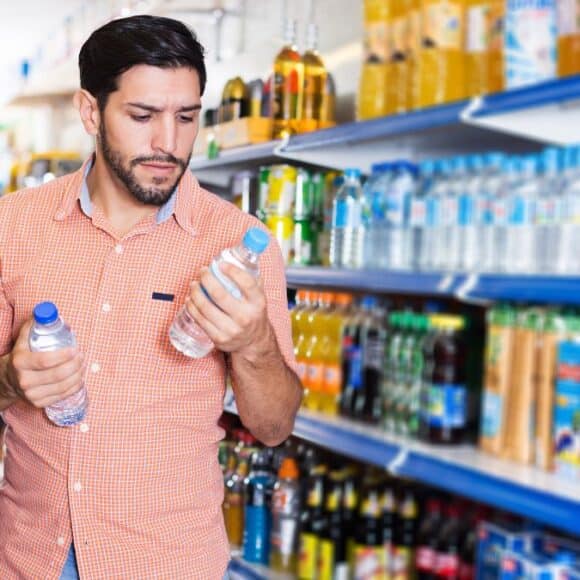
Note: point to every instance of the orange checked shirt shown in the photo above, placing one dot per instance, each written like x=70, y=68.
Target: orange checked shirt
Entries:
x=137, y=485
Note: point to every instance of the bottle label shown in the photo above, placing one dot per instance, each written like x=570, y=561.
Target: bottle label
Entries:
x=521, y=211
x=548, y=211
x=301, y=370
x=466, y=571
x=450, y=211
x=447, y=405
x=433, y=212
x=308, y=555
x=377, y=41
x=466, y=210
x=353, y=355
x=418, y=213
x=332, y=379
x=399, y=40
x=315, y=376
x=447, y=565
x=492, y=414
x=477, y=29
x=483, y=210
x=369, y=562
x=374, y=351
x=500, y=212
x=443, y=25
x=425, y=559
x=284, y=535
x=347, y=214
x=224, y=280
x=326, y=560
x=402, y=558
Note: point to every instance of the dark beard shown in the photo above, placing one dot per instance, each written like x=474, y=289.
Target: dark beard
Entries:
x=157, y=196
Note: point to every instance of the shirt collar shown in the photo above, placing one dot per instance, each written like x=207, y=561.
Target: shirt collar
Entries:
x=179, y=205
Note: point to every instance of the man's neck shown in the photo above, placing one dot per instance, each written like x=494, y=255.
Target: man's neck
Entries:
x=111, y=197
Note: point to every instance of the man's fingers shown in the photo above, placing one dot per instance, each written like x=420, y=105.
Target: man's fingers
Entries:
x=42, y=361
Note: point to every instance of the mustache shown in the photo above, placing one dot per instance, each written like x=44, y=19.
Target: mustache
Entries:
x=159, y=159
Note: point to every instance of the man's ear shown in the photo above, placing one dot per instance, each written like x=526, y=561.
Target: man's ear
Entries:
x=88, y=110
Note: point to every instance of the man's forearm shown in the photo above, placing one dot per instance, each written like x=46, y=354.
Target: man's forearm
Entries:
x=7, y=389
x=268, y=393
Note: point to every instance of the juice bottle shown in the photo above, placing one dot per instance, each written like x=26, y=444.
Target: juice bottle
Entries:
x=441, y=58
x=233, y=506
x=398, y=59
x=296, y=314
x=476, y=46
x=413, y=40
x=314, y=82
x=445, y=404
x=315, y=352
x=372, y=96
x=568, y=37
x=288, y=85
x=495, y=53
x=301, y=349
x=331, y=393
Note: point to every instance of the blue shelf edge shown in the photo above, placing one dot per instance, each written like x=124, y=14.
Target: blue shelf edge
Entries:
x=240, y=568
x=484, y=287
x=446, y=468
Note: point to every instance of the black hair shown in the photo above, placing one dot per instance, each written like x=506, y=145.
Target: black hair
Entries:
x=127, y=42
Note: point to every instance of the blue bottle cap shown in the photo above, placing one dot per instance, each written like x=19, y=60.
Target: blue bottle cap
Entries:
x=381, y=167
x=427, y=167
x=369, y=302
x=256, y=240
x=494, y=159
x=45, y=313
x=351, y=172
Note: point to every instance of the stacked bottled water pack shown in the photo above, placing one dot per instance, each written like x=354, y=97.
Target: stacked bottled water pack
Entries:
x=491, y=212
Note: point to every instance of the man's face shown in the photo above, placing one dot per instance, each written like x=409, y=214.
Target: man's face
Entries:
x=148, y=128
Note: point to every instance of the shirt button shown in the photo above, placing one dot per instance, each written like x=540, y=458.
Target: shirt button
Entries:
x=106, y=307
x=84, y=428
x=60, y=541
x=95, y=367
x=77, y=486
x=119, y=249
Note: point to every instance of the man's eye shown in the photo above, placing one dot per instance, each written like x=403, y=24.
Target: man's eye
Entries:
x=185, y=119
x=141, y=118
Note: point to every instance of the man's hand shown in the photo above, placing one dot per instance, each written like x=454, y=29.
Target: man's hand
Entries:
x=234, y=325
x=43, y=378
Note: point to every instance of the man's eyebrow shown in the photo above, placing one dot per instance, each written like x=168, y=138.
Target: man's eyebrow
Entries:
x=151, y=109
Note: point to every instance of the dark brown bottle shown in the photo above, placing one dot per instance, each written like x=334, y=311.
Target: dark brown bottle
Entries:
x=427, y=540
x=404, y=541
x=449, y=545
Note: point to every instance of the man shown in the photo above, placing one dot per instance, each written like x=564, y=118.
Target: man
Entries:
x=135, y=490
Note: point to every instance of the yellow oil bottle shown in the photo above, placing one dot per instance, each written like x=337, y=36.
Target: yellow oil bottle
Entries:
x=315, y=85
x=287, y=85
x=495, y=69
x=441, y=58
x=372, y=95
x=398, y=59
x=477, y=19
x=413, y=16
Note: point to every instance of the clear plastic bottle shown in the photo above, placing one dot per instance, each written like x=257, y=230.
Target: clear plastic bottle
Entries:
x=468, y=215
x=418, y=218
x=185, y=334
x=435, y=212
x=567, y=256
x=520, y=246
x=346, y=247
x=49, y=332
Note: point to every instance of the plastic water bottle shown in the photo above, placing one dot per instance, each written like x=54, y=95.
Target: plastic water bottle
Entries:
x=185, y=334
x=432, y=236
x=549, y=211
x=373, y=215
x=399, y=194
x=490, y=190
x=450, y=213
x=511, y=172
x=48, y=333
x=346, y=236
x=418, y=217
x=520, y=243
x=469, y=204
x=568, y=256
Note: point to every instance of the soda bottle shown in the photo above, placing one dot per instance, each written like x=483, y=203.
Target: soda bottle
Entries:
x=49, y=332
x=468, y=551
x=404, y=541
x=350, y=501
x=391, y=371
x=185, y=334
x=427, y=540
x=288, y=85
x=332, y=563
x=447, y=559
x=412, y=406
x=233, y=506
x=389, y=523
x=368, y=404
x=300, y=305
x=312, y=523
x=257, y=516
x=352, y=362
x=285, y=518
x=369, y=553
x=306, y=322
x=405, y=363
x=445, y=407
x=346, y=236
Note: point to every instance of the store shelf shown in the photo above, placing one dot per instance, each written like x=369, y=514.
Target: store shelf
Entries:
x=259, y=153
x=463, y=470
x=239, y=569
x=467, y=287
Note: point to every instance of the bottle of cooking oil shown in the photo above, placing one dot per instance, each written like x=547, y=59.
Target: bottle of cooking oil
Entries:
x=413, y=17
x=372, y=96
x=568, y=37
x=441, y=58
x=314, y=81
x=398, y=60
x=476, y=46
x=495, y=67
x=287, y=85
